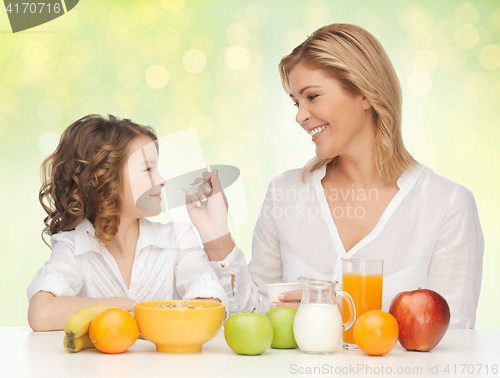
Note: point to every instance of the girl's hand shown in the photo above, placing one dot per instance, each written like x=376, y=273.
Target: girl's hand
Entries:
x=289, y=299
x=208, y=207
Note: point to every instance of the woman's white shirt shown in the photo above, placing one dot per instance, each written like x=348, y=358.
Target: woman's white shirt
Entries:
x=166, y=266
x=429, y=236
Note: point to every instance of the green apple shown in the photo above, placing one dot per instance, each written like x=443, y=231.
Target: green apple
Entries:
x=248, y=333
x=282, y=321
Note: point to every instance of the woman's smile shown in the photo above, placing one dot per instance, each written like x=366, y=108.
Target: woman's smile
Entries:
x=316, y=131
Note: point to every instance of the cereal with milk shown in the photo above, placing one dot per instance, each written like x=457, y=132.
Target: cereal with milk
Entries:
x=180, y=306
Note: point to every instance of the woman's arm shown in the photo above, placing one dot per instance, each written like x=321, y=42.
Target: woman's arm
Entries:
x=46, y=312
x=456, y=265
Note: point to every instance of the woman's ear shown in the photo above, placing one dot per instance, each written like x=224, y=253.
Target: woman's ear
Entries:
x=365, y=103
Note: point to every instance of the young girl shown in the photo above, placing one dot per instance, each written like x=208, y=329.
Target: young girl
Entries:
x=97, y=187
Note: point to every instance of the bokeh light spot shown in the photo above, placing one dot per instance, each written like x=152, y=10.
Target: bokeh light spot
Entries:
x=426, y=154
x=368, y=18
x=490, y=57
x=293, y=38
x=254, y=16
x=419, y=82
x=495, y=92
x=317, y=13
x=467, y=14
x=194, y=61
x=48, y=142
x=35, y=54
x=85, y=51
x=237, y=57
x=415, y=18
x=180, y=21
x=96, y=105
x=204, y=43
x=445, y=29
x=143, y=13
x=476, y=84
x=90, y=86
x=453, y=58
x=419, y=39
x=9, y=101
x=231, y=151
x=50, y=112
x=237, y=34
x=203, y=125
x=68, y=22
x=167, y=38
x=251, y=165
x=3, y=125
x=425, y=60
x=129, y=76
x=70, y=67
x=465, y=138
x=173, y=6
x=33, y=74
x=126, y=99
x=495, y=18
x=116, y=41
x=120, y=20
x=466, y=36
x=157, y=76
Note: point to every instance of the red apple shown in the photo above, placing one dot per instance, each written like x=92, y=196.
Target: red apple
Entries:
x=423, y=317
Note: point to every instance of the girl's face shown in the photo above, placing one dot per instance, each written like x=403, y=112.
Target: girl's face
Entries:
x=338, y=122
x=142, y=182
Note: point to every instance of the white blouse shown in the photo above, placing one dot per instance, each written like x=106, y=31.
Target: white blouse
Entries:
x=164, y=266
x=429, y=236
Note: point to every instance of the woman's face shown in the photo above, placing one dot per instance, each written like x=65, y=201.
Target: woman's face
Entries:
x=141, y=195
x=339, y=123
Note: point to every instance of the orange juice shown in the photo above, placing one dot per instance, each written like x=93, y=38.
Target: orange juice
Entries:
x=366, y=293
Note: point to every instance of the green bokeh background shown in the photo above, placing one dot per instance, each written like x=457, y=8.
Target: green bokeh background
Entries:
x=176, y=64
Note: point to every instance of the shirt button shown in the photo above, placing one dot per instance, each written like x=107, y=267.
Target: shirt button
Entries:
x=337, y=280
x=223, y=264
x=342, y=258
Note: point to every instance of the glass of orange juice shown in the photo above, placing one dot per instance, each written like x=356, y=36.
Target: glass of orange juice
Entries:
x=362, y=279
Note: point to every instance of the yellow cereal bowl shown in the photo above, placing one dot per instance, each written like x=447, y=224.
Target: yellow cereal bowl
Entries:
x=179, y=330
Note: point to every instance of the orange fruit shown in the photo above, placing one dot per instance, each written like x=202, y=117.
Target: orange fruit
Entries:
x=113, y=331
x=376, y=332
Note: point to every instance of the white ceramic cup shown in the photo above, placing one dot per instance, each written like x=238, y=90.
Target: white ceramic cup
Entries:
x=274, y=290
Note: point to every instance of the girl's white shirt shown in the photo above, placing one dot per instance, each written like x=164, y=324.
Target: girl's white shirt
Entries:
x=166, y=266
x=429, y=236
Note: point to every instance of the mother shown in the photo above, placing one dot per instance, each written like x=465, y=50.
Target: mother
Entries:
x=362, y=196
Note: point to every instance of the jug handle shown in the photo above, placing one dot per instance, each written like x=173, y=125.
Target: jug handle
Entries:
x=352, y=309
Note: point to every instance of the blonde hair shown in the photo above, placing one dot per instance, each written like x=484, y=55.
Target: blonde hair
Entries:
x=358, y=61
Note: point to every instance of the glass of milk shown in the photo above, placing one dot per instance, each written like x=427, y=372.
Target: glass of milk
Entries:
x=318, y=326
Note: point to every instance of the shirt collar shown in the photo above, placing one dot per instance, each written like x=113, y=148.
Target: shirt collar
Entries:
x=86, y=241
x=407, y=179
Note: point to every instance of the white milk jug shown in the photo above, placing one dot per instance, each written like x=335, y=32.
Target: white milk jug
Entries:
x=318, y=326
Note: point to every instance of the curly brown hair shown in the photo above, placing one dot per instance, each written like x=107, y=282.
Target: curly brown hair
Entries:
x=83, y=177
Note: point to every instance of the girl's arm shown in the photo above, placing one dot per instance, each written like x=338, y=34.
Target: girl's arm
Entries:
x=46, y=312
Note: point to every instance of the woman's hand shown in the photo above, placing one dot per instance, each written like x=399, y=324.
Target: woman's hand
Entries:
x=208, y=208
x=289, y=299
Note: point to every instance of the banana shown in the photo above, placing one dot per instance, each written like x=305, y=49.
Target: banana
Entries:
x=78, y=324
x=78, y=344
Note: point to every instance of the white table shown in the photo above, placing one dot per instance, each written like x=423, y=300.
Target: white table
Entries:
x=25, y=353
